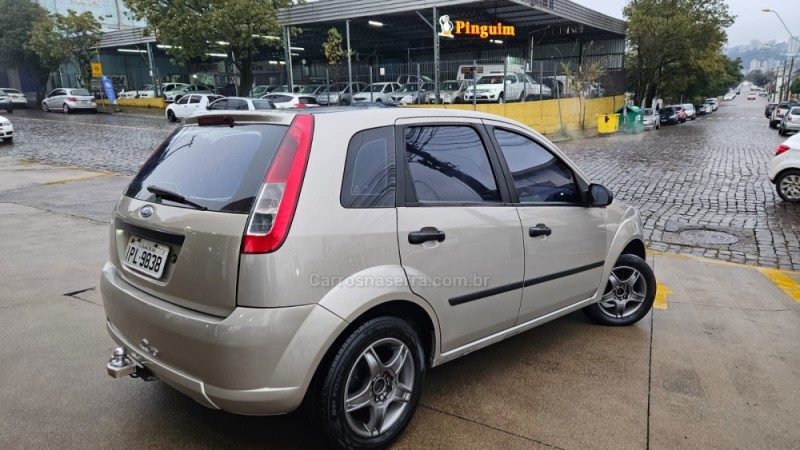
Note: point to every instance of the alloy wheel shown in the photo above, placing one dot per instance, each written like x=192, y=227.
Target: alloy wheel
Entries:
x=790, y=187
x=625, y=292
x=379, y=387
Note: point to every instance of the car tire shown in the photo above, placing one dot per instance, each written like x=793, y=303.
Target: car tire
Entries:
x=628, y=295
x=171, y=116
x=66, y=109
x=10, y=111
x=788, y=186
x=45, y=108
x=781, y=131
x=362, y=364
x=773, y=125
x=500, y=99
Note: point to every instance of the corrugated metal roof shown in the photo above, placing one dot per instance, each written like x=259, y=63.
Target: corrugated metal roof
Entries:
x=121, y=38
x=520, y=12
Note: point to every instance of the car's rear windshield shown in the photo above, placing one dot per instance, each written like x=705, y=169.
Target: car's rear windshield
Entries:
x=217, y=167
x=307, y=100
x=263, y=104
x=80, y=92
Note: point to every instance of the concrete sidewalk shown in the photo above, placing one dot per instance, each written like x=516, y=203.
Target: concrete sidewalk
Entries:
x=716, y=367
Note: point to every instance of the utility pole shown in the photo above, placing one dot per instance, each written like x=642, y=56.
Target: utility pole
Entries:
x=349, y=64
x=436, y=57
x=783, y=83
x=156, y=92
x=789, y=81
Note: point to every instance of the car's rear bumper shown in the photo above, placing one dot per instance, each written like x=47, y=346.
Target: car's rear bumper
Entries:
x=256, y=361
x=81, y=105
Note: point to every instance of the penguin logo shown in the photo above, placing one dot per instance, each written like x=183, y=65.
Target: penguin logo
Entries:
x=446, y=26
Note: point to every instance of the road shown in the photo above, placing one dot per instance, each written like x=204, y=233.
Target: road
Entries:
x=714, y=367
x=702, y=186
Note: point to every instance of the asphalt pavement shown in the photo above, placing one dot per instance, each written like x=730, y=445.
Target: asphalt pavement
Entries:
x=714, y=366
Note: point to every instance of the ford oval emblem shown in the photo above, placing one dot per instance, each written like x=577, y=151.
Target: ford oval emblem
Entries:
x=146, y=212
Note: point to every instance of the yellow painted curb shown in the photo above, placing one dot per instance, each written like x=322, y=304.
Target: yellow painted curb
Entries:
x=718, y=262
x=661, y=296
x=784, y=282
x=71, y=180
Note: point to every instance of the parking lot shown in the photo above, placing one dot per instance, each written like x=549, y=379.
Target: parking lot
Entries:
x=714, y=366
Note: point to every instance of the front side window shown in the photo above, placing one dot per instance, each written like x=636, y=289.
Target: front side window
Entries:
x=369, y=174
x=539, y=177
x=218, y=105
x=183, y=100
x=449, y=164
x=194, y=99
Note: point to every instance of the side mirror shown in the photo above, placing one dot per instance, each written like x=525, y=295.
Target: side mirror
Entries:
x=599, y=196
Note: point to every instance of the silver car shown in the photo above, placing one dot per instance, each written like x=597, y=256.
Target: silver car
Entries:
x=69, y=100
x=379, y=244
x=450, y=92
x=340, y=93
x=651, y=120
x=790, y=121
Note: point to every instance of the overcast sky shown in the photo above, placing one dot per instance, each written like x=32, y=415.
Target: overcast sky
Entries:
x=750, y=24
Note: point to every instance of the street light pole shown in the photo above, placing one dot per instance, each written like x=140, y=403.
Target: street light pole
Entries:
x=791, y=36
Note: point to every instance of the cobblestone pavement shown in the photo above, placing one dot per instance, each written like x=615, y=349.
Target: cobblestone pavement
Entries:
x=701, y=187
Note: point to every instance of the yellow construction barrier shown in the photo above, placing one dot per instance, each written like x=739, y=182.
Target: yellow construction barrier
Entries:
x=607, y=123
x=543, y=116
x=138, y=102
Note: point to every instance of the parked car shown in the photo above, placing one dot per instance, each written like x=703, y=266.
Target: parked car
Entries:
x=145, y=91
x=188, y=104
x=410, y=94
x=285, y=88
x=6, y=103
x=681, y=113
x=17, y=98
x=790, y=121
x=341, y=93
x=450, y=92
x=312, y=89
x=377, y=92
x=779, y=111
x=250, y=293
x=703, y=109
x=770, y=107
x=69, y=100
x=713, y=102
x=403, y=80
x=369, y=104
x=167, y=88
x=651, y=119
x=259, y=90
x=240, y=104
x=668, y=115
x=763, y=93
x=688, y=108
x=6, y=130
x=177, y=93
x=784, y=170
x=751, y=96
x=729, y=96
x=288, y=100
x=516, y=87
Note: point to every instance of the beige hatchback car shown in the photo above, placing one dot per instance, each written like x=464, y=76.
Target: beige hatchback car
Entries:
x=261, y=260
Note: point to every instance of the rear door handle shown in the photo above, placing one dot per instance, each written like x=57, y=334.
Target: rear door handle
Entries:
x=424, y=235
x=540, y=230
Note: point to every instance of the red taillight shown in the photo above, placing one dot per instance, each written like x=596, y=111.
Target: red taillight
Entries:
x=275, y=205
x=299, y=105
x=72, y=99
x=781, y=148
x=789, y=119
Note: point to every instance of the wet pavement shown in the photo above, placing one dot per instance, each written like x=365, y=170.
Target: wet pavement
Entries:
x=701, y=187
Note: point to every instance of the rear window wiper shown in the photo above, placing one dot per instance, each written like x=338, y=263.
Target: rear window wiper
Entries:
x=167, y=194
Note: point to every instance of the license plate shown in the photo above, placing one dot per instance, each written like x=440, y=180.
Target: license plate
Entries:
x=146, y=256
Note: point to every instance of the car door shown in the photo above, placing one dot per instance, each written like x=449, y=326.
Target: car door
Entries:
x=56, y=100
x=195, y=103
x=564, y=240
x=460, y=241
x=180, y=107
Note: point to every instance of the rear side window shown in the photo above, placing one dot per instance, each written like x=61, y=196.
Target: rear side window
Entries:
x=194, y=99
x=449, y=164
x=307, y=100
x=218, y=105
x=263, y=104
x=217, y=167
x=369, y=173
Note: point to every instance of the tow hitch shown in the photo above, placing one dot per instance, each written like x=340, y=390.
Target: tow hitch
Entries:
x=120, y=365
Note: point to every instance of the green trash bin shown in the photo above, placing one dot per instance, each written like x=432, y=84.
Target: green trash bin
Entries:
x=631, y=119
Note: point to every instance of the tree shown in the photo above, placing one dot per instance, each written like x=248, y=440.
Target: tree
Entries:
x=757, y=77
x=58, y=39
x=671, y=41
x=333, y=51
x=16, y=24
x=795, y=86
x=193, y=28
x=583, y=80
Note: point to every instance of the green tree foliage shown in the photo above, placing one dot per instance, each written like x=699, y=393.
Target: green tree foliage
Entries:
x=332, y=47
x=581, y=80
x=193, y=28
x=795, y=86
x=757, y=77
x=16, y=24
x=58, y=39
x=672, y=42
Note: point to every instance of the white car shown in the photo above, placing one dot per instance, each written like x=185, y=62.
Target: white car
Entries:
x=713, y=102
x=284, y=100
x=168, y=88
x=517, y=86
x=17, y=98
x=6, y=130
x=784, y=169
x=409, y=94
x=188, y=104
x=240, y=104
x=145, y=91
x=377, y=92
